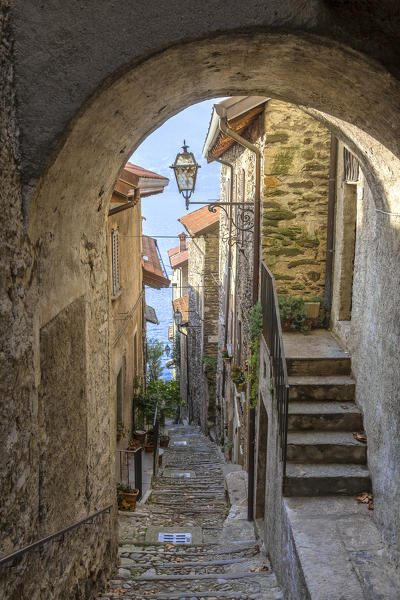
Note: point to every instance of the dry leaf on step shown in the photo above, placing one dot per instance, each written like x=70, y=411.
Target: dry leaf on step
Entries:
x=360, y=436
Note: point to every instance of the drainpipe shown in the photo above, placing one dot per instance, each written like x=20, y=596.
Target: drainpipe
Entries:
x=228, y=285
x=330, y=226
x=223, y=126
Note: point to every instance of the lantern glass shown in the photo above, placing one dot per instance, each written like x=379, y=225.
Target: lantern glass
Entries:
x=185, y=168
x=178, y=317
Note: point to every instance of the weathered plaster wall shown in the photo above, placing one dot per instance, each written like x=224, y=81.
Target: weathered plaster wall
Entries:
x=374, y=346
x=277, y=537
x=34, y=442
x=127, y=309
x=295, y=199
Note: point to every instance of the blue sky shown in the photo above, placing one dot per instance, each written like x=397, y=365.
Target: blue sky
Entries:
x=158, y=152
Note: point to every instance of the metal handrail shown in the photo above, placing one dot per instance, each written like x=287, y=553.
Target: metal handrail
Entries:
x=272, y=333
x=52, y=536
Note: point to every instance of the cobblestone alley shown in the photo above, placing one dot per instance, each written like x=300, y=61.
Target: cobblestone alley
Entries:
x=219, y=556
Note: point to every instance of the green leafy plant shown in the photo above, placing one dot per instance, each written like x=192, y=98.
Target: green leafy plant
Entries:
x=293, y=313
x=210, y=364
x=224, y=353
x=125, y=489
x=176, y=351
x=255, y=325
x=165, y=394
x=237, y=375
x=154, y=352
x=121, y=429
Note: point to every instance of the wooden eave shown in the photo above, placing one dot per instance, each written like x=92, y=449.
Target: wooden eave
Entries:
x=238, y=124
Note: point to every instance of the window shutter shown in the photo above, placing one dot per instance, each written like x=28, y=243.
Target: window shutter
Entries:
x=351, y=167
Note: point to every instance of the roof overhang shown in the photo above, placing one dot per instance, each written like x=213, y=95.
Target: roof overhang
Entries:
x=231, y=108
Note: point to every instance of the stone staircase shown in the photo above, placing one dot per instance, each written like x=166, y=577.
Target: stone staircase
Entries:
x=324, y=458
x=222, y=560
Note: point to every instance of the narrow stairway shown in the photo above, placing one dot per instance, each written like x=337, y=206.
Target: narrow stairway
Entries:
x=324, y=456
x=206, y=552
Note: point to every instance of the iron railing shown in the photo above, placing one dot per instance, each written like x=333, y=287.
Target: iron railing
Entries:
x=156, y=430
x=128, y=475
x=272, y=333
x=58, y=534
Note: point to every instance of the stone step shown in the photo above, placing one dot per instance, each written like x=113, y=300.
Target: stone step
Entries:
x=319, y=366
x=326, y=480
x=325, y=447
x=329, y=416
x=334, y=387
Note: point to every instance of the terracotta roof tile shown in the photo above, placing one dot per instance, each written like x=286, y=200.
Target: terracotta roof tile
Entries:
x=153, y=274
x=141, y=172
x=199, y=219
x=179, y=259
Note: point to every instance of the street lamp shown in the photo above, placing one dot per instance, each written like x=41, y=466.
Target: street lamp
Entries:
x=178, y=318
x=167, y=350
x=185, y=168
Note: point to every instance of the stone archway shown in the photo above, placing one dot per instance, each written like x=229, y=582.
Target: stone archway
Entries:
x=65, y=208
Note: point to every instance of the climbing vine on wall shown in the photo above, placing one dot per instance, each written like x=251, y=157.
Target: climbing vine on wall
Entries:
x=255, y=330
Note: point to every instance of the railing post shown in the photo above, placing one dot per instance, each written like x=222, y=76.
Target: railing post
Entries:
x=138, y=462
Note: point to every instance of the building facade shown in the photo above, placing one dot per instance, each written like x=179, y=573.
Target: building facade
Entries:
x=133, y=263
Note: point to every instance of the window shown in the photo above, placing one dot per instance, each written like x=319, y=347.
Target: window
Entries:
x=115, y=262
x=350, y=167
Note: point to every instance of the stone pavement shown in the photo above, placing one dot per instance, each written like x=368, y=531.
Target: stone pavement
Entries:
x=220, y=557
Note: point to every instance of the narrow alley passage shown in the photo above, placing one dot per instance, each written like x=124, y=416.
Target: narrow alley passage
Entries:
x=219, y=556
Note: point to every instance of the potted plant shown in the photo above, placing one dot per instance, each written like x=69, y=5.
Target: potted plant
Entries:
x=149, y=443
x=164, y=441
x=225, y=355
x=238, y=378
x=121, y=430
x=126, y=496
x=139, y=435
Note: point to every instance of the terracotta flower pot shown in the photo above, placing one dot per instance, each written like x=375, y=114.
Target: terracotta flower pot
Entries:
x=129, y=498
x=164, y=441
x=149, y=447
x=240, y=387
x=139, y=435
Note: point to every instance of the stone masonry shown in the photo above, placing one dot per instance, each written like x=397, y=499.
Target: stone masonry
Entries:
x=295, y=199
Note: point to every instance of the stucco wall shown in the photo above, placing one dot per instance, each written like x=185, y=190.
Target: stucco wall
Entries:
x=374, y=346
x=127, y=309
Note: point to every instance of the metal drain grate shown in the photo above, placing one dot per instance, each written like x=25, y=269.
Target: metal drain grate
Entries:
x=175, y=538
x=176, y=475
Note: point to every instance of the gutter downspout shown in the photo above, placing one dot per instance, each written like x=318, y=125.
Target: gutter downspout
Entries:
x=223, y=126
x=331, y=222
x=228, y=285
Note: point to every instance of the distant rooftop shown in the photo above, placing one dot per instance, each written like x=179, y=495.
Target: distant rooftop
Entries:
x=199, y=220
x=134, y=178
x=153, y=273
x=178, y=256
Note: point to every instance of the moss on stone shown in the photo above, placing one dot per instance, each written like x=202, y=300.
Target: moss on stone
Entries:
x=302, y=261
x=282, y=161
x=269, y=223
x=314, y=166
x=271, y=204
x=283, y=277
x=276, y=192
x=307, y=241
x=298, y=185
x=298, y=286
x=279, y=136
x=279, y=215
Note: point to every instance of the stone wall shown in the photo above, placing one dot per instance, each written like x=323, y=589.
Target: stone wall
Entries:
x=295, y=199
x=39, y=447
x=203, y=321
